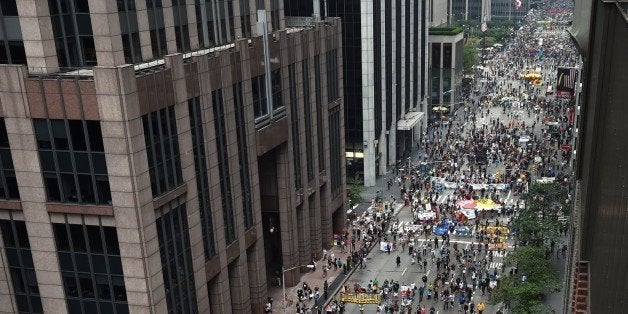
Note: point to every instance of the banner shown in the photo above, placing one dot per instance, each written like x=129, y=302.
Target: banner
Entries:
x=475, y=186
x=566, y=80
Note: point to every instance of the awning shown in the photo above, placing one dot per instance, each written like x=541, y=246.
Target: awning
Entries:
x=411, y=119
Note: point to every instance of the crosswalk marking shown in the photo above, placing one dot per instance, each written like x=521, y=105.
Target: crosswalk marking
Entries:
x=500, y=253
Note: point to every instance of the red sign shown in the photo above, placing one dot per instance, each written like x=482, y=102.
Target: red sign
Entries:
x=565, y=147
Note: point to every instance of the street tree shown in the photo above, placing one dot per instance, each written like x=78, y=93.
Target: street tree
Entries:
x=531, y=278
x=354, y=191
x=539, y=223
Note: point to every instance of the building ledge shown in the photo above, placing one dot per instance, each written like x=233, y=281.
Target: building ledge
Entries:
x=100, y=210
x=445, y=31
x=11, y=204
x=171, y=195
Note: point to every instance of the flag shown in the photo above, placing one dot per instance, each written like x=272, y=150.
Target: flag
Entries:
x=484, y=27
x=566, y=82
x=517, y=4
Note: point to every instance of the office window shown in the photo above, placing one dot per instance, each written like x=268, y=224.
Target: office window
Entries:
x=436, y=56
x=201, y=22
x=294, y=121
x=415, y=61
x=388, y=64
x=202, y=176
x=243, y=156
x=12, y=49
x=447, y=56
x=398, y=60
x=216, y=27
x=335, y=154
x=377, y=73
x=8, y=183
x=220, y=127
x=129, y=31
x=305, y=71
x=245, y=18
x=274, y=15
x=162, y=150
x=91, y=268
x=72, y=159
x=20, y=266
x=407, y=67
x=278, y=106
x=157, y=28
x=181, y=31
x=176, y=258
x=258, y=89
x=332, y=75
x=318, y=93
x=72, y=30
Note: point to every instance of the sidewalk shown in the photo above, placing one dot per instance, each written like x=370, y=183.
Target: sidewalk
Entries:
x=313, y=279
x=335, y=278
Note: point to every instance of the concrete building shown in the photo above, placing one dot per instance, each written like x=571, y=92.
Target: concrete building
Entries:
x=446, y=67
x=445, y=61
x=506, y=10
x=164, y=155
x=596, y=272
x=384, y=70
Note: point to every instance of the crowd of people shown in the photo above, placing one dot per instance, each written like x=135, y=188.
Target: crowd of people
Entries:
x=509, y=134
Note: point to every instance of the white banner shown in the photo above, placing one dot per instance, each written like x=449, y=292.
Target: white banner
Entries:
x=476, y=186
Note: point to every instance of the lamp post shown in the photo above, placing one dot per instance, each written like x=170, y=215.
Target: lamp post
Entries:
x=283, y=281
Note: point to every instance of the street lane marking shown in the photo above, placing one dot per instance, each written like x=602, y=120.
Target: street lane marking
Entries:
x=404, y=271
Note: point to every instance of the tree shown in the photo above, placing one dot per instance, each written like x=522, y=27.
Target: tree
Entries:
x=536, y=227
x=523, y=290
x=538, y=222
x=470, y=57
x=354, y=196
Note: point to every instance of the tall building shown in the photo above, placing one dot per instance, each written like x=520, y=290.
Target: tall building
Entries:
x=445, y=65
x=164, y=155
x=506, y=9
x=596, y=271
x=384, y=70
x=468, y=9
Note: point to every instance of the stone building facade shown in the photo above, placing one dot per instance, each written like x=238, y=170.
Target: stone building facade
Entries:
x=152, y=162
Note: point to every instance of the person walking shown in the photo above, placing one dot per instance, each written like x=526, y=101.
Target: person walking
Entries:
x=398, y=261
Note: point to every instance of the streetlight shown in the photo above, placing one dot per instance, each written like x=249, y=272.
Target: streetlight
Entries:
x=283, y=281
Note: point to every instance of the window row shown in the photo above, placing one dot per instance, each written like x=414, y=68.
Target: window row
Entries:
x=220, y=127
x=8, y=182
x=91, y=268
x=72, y=30
x=20, y=264
x=202, y=176
x=176, y=258
x=71, y=153
x=294, y=117
x=260, y=101
x=243, y=156
x=162, y=150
